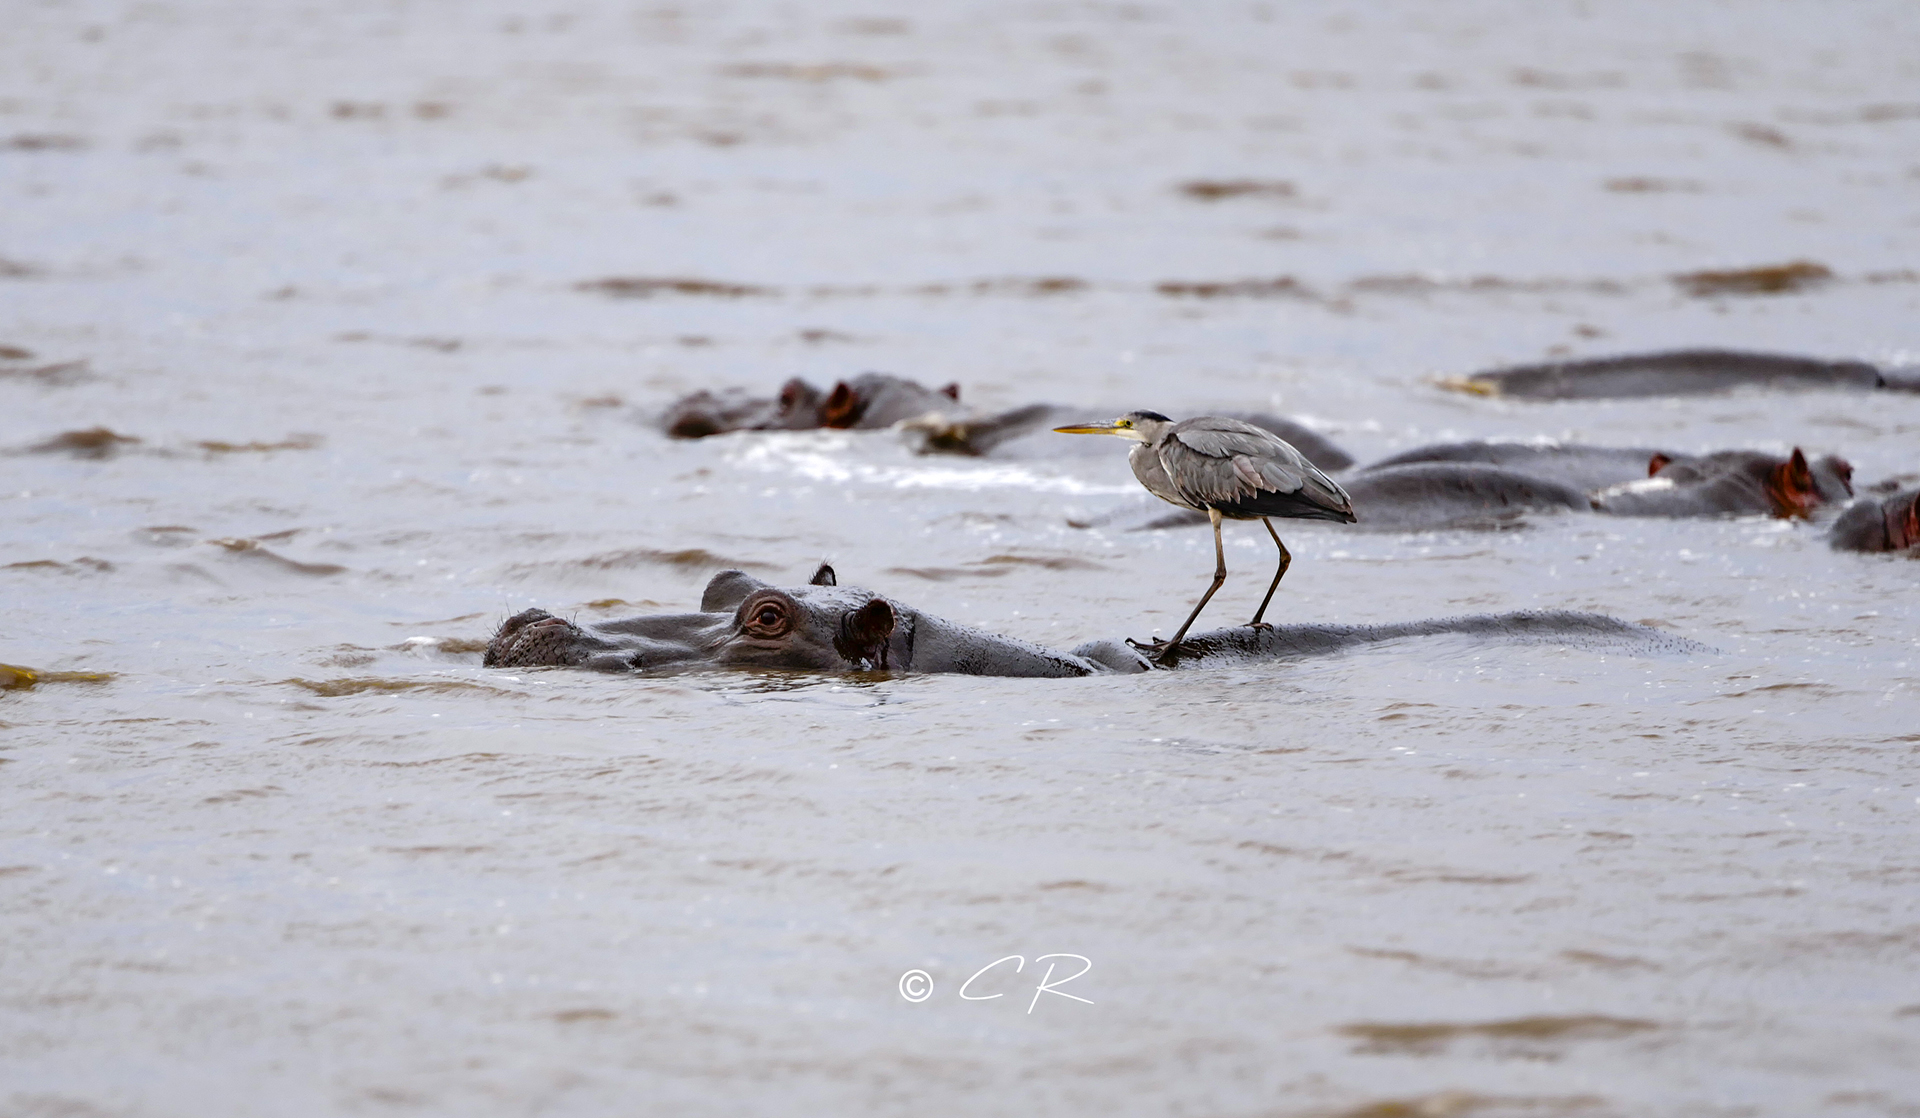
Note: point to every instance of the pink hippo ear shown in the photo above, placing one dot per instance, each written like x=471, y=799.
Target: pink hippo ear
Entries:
x=1790, y=486
x=1657, y=463
x=843, y=407
x=1844, y=468
x=1903, y=524
x=864, y=633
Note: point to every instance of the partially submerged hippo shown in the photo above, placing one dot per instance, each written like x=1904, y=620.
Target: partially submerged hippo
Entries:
x=1880, y=523
x=933, y=418
x=1683, y=372
x=1733, y=483
x=744, y=622
x=868, y=401
x=1576, y=465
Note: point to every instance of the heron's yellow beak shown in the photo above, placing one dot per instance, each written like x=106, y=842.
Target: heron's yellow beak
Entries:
x=1090, y=429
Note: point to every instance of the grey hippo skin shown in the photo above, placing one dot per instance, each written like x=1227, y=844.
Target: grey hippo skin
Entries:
x=1582, y=467
x=1684, y=372
x=933, y=418
x=1880, y=523
x=1432, y=495
x=744, y=622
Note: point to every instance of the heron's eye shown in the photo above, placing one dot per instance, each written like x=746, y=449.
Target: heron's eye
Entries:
x=1123, y=423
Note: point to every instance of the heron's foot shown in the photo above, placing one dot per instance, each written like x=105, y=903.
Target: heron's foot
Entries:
x=1267, y=625
x=1160, y=654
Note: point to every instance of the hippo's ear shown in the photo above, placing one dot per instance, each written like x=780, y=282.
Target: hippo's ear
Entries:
x=864, y=633
x=727, y=590
x=824, y=576
x=1798, y=475
x=952, y=392
x=1657, y=463
x=1790, y=487
x=843, y=407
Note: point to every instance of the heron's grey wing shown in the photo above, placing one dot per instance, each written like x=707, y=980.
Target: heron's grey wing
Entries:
x=1220, y=461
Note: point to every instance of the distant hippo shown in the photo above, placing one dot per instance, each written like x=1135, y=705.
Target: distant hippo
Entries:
x=1683, y=372
x=744, y=622
x=1733, y=482
x=1880, y=523
x=933, y=418
x=868, y=401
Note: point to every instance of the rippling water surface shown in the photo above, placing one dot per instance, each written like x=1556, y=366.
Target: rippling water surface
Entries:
x=273, y=841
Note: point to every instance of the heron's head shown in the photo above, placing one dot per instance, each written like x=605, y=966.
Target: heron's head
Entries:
x=1140, y=426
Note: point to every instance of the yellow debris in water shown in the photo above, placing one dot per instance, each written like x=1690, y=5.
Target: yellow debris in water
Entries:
x=1469, y=385
x=16, y=678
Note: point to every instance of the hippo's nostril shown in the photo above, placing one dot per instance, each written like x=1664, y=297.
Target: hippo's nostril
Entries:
x=864, y=633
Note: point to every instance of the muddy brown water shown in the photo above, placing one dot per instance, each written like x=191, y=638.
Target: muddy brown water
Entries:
x=274, y=842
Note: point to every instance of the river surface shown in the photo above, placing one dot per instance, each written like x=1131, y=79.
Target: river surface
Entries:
x=272, y=841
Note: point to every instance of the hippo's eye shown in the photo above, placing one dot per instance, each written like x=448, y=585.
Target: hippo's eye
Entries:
x=767, y=616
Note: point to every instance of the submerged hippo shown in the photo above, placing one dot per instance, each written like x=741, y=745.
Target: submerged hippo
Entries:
x=1576, y=465
x=744, y=622
x=868, y=401
x=1880, y=523
x=1733, y=482
x=1683, y=372
x=932, y=418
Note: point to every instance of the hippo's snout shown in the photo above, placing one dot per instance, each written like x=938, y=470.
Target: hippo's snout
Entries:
x=534, y=638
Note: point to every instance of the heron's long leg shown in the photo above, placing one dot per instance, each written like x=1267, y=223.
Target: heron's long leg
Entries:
x=1286, y=560
x=1219, y=576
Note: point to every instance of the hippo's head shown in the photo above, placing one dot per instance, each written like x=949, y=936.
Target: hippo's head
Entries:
x=1794, y=487
x=1797, y=487
x=818, y=626
x=880, y=400
x=742, y=622
x=1889, y=523
x=795, y=408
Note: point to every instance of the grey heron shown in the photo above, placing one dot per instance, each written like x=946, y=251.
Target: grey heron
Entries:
x=1226, y=469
